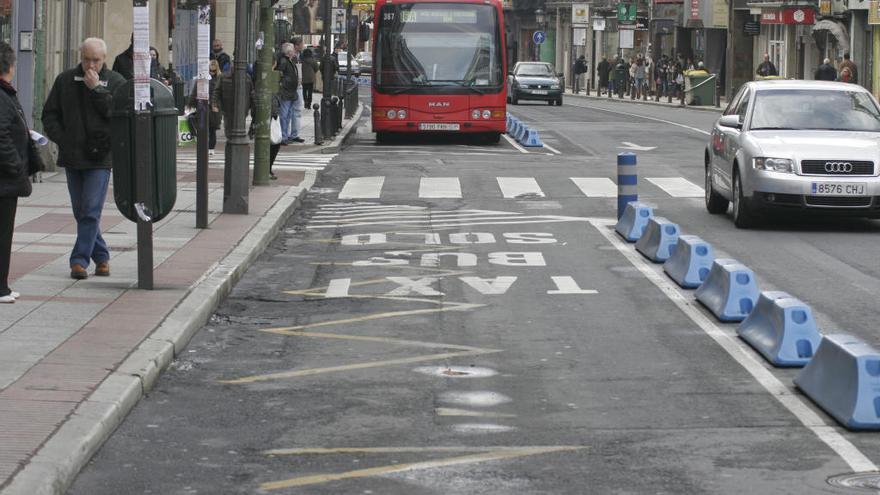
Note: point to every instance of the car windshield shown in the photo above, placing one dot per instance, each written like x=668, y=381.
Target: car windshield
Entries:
x=430, y=45
x=796, y=109
x=534, y=70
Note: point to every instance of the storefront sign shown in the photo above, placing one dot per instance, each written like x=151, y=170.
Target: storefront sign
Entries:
x=695, y=10
x=825, y=7
x=790, y=15
x=580, y=13
x=599, y=24
x=720, y=14
x=752, y=28
x=874, y=12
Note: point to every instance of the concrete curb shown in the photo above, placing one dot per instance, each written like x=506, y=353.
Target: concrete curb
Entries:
x=648, y=102
x=54, y=468
x=336, y=145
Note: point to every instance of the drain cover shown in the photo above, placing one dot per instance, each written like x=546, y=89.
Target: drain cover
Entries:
x=862, y=482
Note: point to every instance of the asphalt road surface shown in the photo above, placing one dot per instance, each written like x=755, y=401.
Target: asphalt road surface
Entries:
x=450, y=317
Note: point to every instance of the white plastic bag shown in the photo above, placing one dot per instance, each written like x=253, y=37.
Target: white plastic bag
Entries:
x=275, y=131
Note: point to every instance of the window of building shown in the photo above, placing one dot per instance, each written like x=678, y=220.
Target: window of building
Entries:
x=776, y=46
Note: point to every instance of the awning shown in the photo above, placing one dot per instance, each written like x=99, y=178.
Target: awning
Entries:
x=837, y=30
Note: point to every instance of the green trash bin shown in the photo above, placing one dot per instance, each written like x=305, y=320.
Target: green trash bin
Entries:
x=699, y=95
x=164, y=156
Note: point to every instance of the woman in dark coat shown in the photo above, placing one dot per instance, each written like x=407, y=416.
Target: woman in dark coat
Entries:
x=214, y=115
x=16, y=150
x=309, y=67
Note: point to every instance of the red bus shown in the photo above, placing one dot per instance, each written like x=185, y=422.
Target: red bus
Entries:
x=439, y=66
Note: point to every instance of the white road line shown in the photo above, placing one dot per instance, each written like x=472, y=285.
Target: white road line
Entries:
x=596, y=187
x=439, y=187
x=743, y=355
x=511, y=187
x=678, y=187
x=551, y=148
x=338, y=287
x=701, y=131
x=362, y=187
x=515, y=144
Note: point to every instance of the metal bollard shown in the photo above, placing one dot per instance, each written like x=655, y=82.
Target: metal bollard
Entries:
x=334, y=114
x=627, y=181
x=717, y=93
x=319, y=137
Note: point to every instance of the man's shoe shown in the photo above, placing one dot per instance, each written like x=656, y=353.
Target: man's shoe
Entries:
x=297, y=140
x=15, y=295
x=7, y=299
x=77, y=272
x=102, y=269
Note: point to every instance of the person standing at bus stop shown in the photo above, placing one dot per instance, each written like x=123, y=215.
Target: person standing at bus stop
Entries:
x=580, y=67
x=289, y=95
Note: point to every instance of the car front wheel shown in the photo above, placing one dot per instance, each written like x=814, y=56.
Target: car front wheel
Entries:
x=715, y=203
x=743, y=217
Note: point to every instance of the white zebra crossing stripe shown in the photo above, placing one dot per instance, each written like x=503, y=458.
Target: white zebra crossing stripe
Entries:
x=439, y=187
x=678, y=187
x=362, y=187
x=596, y=187
x=514, y=187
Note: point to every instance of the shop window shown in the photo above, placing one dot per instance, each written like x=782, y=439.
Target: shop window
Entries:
x=776, y=46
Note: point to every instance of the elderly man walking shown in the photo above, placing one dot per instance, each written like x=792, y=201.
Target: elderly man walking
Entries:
x=76, y=117
x=289, y=95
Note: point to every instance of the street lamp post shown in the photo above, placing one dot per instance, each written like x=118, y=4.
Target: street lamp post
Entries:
x=235, y=173
x=326, y=73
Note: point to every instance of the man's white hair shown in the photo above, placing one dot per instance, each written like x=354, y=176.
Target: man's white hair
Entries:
x=97, y=43
x=827, y=61
x=287, y=48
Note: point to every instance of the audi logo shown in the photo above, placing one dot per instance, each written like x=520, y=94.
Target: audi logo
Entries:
x=838, y=167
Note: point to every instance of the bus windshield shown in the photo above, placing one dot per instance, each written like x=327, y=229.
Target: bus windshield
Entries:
x=425, y=46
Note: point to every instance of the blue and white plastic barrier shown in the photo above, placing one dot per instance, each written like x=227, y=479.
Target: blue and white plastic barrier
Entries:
x=631, y=226
x=730, y=291
x=659, y=240
x=782, y=329
x=843, y=378
x=691, y=262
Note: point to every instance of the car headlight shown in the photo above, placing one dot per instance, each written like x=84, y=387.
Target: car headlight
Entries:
x=784, y=165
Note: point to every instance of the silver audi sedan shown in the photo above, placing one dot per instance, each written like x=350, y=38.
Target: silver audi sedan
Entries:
x=797, y=146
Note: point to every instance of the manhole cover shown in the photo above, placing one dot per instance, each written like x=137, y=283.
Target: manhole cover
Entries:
x=457, y=371
x=862, y=482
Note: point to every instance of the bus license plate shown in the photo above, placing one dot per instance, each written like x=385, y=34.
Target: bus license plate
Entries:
x=839, y=188
x=439, y=127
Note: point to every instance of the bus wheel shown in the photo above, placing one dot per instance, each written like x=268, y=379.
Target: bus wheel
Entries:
x=492, y=137
x=382, y=137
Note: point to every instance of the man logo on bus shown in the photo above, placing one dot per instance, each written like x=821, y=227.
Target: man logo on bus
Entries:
x=438, y=104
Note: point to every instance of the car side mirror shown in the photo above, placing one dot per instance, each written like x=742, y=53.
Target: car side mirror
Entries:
x=730, y=121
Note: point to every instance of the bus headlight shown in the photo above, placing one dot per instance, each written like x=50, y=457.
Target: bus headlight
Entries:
x=391, y=114
x=486, y=114
x=401, y=114
x=475, y=114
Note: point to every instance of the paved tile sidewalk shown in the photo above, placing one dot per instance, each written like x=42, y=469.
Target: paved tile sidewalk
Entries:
x=63, y=338
x=676, y=103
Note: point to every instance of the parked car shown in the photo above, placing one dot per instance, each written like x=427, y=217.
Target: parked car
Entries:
x=365, y=60
x=342, y=57
x=534, y=81
x=784, y=145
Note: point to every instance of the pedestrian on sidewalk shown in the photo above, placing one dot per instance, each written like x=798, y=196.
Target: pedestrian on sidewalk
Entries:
x=309, y=68
x=221, y=57
x=288, y=92
x=77, y=118
x=766, y=68
x=851, y=67
x=580, y=67
x=214, y=115
x=18, y=160
x=604, y=68
x=640, y=74
x=826, y=71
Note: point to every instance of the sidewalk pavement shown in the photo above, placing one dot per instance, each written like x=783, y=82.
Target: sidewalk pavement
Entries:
x=76, y=356
x=676, y=103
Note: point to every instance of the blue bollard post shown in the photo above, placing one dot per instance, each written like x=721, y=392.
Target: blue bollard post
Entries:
x=627, y=181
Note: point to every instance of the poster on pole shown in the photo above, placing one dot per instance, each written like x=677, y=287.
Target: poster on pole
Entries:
x=580, y=14
x=338, y=26
x=579, y=37
x=599, y=24
x=141, y=56
x=626, y=38
x=204, y=43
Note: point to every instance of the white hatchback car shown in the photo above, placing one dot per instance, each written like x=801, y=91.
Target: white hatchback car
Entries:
x=795, y=145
